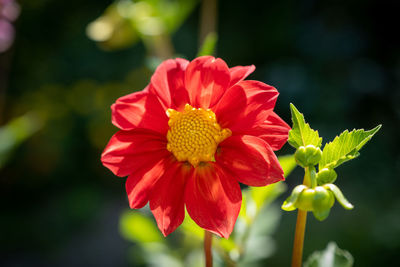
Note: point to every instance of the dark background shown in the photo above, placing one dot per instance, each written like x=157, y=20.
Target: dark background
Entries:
x=337, y=61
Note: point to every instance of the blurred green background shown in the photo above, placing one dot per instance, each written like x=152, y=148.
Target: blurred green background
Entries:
x=337, y=61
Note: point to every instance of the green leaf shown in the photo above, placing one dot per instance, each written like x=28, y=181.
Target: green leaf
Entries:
x=257, y=242
x=189, y=227
x=257, y=248
x=288, y=164
x=161, y=258
x=227, y=244
x=195, y=258
x=266, y=194
x=16, y=132
x=345, y=147
x=136, y=227
x=208, y=46
x=332, y=256
x=254, y=198
x=301, y=133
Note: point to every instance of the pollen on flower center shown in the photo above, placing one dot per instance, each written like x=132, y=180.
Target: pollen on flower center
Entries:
x=194, y=134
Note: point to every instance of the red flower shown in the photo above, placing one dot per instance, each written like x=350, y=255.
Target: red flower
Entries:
x=190, y=137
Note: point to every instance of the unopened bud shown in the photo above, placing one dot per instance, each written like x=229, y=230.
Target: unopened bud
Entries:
x=308, y=155
x=326, y=176
x=317, y=198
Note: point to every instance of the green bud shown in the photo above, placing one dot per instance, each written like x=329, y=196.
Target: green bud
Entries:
x=319, y=200
x=315, y=199
x=326, y=176
x=323, y=199
x=300, y=156
x=308, y=155
x=305, y=200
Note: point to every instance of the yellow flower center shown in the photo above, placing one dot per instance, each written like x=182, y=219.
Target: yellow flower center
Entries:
x=194, y=134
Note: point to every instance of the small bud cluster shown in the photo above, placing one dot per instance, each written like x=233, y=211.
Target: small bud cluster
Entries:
x=320, y=197
x=318, y=193
x=319, y=200
x=308, y=156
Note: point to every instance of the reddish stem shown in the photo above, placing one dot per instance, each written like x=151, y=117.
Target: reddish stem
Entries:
x=297, y=256
x=207, y=248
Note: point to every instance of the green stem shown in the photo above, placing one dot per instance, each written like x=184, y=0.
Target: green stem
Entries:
x=313, y=176
x=208, y=19
x=207, y=248
x=159, y=46
x=297, y=256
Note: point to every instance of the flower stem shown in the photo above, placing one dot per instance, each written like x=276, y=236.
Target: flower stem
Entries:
x=297, y=256
x=207, y=248
x=313, y=176
x=159, y=46
x=208, y=19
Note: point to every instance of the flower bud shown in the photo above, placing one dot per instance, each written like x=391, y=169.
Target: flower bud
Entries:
x=308, y=155
x=305, y=200
x=326, y=176
x=323, y=199
x=315, y=199
x=319, y=200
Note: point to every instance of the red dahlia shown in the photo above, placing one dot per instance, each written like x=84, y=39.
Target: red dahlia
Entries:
x=190, y=137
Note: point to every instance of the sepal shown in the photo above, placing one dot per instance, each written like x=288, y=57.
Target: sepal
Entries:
x=290, y=202
x=339, y=196
x=321, y=215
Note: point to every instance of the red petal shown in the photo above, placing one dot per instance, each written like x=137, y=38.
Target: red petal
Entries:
x=206, y=80
x=239, y=73
x=167, y=83
x=167, y=197
x=274, y=130
x=245, y=105
x=126, y=152
x=139, y=110
x=251, y=159
x=139, y=184
x=213, y=199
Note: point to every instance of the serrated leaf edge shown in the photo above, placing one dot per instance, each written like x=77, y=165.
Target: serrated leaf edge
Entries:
x=299, y=117
x=351, y=154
